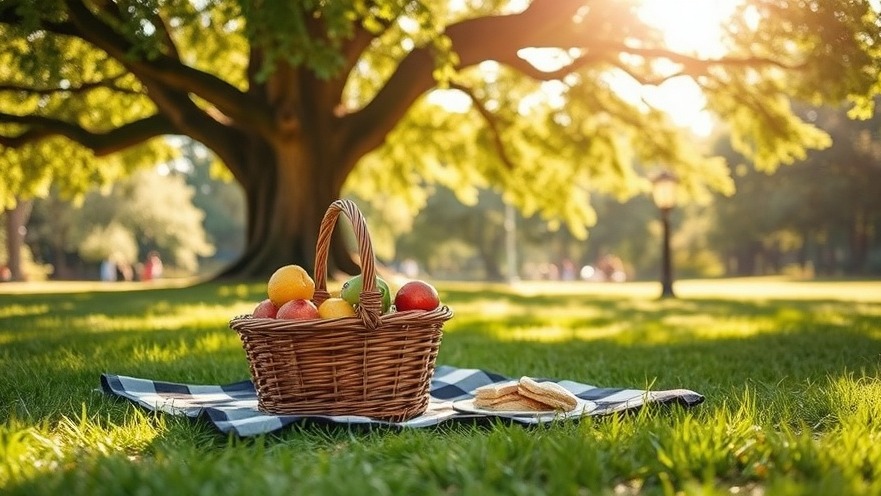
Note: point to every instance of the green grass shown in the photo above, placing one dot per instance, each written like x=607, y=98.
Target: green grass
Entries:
x=790, y=371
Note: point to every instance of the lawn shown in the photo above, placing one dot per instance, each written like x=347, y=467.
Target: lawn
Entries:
x=790, y=371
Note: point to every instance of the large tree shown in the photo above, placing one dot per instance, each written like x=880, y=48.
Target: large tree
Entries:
x=290, y=96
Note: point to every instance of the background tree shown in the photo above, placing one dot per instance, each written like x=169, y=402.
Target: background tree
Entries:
x=62, y=165
x=825, y=212
x=291, y=95
x=455, y=237
x=146, y=211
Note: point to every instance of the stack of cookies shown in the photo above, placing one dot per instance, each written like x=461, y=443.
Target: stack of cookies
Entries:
x=525, y=395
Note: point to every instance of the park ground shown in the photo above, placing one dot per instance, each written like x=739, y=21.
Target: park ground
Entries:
x=790, y=371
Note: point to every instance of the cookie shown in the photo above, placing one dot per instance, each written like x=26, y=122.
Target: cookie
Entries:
x=496, y=390
x=519, y=403
x=485, y=402
x=549, y=393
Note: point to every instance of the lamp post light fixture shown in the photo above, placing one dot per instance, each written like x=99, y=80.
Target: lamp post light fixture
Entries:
x=664, y=196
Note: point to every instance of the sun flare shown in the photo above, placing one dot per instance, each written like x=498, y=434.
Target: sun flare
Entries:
x=694, y=27
x=690, y=26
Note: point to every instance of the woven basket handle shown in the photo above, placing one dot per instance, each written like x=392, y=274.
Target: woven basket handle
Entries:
x=370, y=308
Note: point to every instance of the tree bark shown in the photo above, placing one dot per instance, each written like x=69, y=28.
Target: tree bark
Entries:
x=16, y=220
x=489, y=239
x=286, y=202
x=859, y=242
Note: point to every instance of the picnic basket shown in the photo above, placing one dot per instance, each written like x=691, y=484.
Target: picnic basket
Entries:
x=371, y=365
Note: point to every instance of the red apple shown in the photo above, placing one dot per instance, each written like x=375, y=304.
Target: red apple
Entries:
x=297, y=310
x=416, y=295
x=265, y=310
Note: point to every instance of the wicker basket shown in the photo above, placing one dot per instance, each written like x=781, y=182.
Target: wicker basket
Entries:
x=372, y=365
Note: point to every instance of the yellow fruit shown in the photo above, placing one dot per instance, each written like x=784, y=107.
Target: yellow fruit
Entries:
x=333, y=308
x=290, y=282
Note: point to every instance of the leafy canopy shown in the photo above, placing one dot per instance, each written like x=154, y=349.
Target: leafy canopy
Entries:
x=99, y=73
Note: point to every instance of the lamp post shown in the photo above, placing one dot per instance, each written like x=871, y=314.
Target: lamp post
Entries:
x=664, y=196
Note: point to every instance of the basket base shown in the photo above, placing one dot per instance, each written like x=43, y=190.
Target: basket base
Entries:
x=391, y=412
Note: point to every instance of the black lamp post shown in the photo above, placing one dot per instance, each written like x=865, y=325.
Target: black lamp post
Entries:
x=664, y=196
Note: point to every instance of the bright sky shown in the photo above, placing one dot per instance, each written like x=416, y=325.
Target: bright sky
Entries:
x=688, y=26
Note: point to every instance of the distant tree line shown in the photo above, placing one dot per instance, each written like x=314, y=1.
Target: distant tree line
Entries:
x=821, y=215
x=193, y=220
x=293, y=97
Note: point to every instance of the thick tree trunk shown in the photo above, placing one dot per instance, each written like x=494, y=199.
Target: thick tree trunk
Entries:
x=746, y=259
x=286, y=203
x=489, y=239
x=860, y=232
x=16, y=220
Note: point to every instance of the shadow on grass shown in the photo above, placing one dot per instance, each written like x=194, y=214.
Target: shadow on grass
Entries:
x=56, y=346
x=709, y=345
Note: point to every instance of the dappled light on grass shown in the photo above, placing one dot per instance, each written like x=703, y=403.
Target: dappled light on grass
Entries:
x=238, y=290
x=162, y=315
x=485, y=307
x=216, y=341
x=775, y=288
x=711, y=327
x=86, y=287
x=567, y=315
x=560, y=318
x=550, y=334
x=793, y=388
x=22, y=310
x=183, y=349
x=853, y=399
x=28, y=452
x=158, y=354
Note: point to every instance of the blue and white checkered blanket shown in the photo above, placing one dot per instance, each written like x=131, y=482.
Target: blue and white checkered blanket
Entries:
x=233, y=407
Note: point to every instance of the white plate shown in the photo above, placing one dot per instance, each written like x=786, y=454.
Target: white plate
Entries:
x=582, y=408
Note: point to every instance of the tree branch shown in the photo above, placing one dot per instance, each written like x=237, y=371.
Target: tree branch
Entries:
x=115, y=140
x=200, y=125
x=162, y=26
x=524, y=67
x=80, y=88
x=545, y=23
x=491, y=122
x=474, y=41
x=644, y=79
x=172, y=72
x=352, y=51
x=694, y=65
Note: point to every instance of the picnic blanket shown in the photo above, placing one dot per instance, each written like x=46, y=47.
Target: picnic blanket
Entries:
x=233, y=407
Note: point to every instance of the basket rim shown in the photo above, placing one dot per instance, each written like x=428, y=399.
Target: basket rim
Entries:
x=414, y=318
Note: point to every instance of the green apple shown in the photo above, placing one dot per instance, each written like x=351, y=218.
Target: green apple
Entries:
x=351, y=291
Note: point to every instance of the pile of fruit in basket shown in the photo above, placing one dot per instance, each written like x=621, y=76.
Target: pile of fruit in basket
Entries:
x=290, y=290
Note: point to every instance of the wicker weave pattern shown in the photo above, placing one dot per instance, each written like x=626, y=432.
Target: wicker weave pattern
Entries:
x=373, y=365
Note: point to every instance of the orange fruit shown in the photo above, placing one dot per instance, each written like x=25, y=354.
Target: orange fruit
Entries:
x=333, y=308
x=290, y=282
